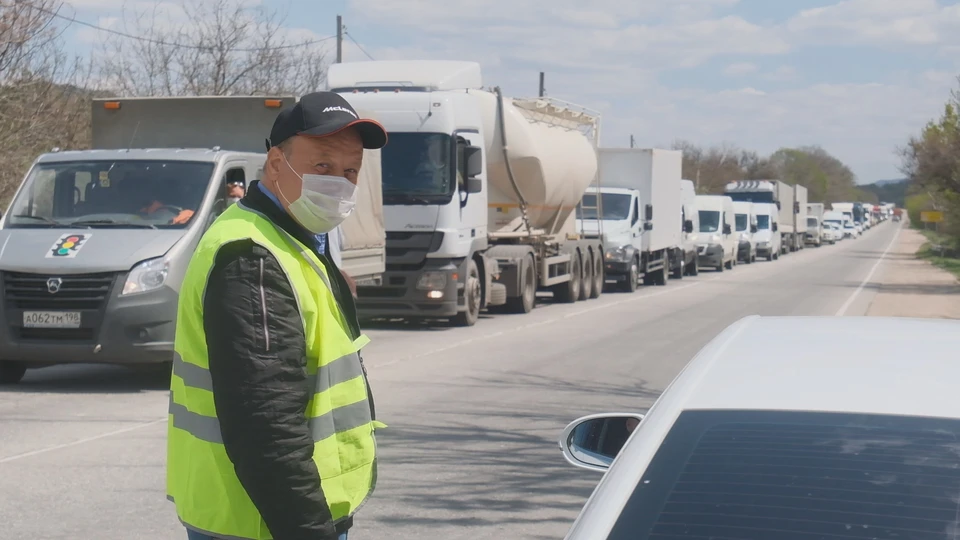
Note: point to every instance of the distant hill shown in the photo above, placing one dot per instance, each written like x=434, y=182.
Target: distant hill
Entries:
x=894, y=191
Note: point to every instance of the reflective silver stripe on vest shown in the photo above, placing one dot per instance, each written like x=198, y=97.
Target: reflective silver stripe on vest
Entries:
x=207, y=428
x=343, y=369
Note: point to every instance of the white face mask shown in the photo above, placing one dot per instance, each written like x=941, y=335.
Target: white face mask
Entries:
x=324, y=201
x=232, y=200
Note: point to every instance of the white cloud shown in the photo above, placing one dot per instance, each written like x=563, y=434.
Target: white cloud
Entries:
x=740, y=68
x=914, y=22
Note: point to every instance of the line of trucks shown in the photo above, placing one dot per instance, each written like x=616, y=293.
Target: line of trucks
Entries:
x=479, y=202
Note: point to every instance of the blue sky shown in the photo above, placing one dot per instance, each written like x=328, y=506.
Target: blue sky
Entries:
x=854, y=76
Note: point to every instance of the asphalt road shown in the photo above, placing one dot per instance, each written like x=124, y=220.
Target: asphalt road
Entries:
x=474, y=414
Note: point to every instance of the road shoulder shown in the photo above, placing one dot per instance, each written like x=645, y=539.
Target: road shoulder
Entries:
x=911, y=287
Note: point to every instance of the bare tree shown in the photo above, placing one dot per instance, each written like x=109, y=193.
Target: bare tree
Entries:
x=212, y=47
x=43, y=103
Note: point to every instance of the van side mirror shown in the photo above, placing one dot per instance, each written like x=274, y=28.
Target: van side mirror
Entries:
x=593, y=442
x=775, y=227
x=688, y=226
x=753, y=228
x=471, y=164
x=727, y=229
x=648, y=212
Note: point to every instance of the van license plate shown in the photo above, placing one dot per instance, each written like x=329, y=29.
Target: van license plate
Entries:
x=51, y=319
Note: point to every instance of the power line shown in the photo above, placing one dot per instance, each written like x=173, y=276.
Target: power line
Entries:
x=358, y=45
x=172, y=44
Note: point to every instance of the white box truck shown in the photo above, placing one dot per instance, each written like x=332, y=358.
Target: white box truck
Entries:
x=770, y=192
x=479, y=192
x=800, y=216
x=96, y=242
x=641, y=215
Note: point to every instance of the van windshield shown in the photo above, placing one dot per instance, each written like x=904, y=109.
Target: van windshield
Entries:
x=763, y=222
x=741, y=222
x=111, y=193
x=709, y=220
x=418, y=168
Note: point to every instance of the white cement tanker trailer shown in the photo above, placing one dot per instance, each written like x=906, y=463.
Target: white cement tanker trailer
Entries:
x=479, y=192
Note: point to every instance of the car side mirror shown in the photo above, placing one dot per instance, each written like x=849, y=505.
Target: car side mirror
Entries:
x=471, y=162
x=688, y=226
x=727, y=229
x=648, y=225
x=753, y=228
x=594, y=441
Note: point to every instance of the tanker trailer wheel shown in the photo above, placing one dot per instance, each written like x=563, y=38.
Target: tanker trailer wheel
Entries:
x=471, y=297
x=528, y=289
x=569, y=292
x=586, y=279
x=597, y=261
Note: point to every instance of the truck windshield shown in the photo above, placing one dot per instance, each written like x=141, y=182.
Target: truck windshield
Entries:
x=709, y=220
x=111, y=193
x=742, y=222
x=418, y=168
x=763, y=222
x=751, y=196
x=614, y=206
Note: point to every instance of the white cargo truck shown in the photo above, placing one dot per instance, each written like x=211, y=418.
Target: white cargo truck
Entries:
x=691, y=225
x=96, y=242
x=771, y=192
x=815, y=232
x=479, y=192
x=799, y=216
x=641, y=215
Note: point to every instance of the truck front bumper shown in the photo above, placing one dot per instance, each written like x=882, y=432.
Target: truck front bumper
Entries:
x=433, y=291
x=137, y=329
x=710, y=255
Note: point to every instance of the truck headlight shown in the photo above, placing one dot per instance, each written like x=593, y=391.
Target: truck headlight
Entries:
x=617, y=254
x=146, y=276
x=432, y=281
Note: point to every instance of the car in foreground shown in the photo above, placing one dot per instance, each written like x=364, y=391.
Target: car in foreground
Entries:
x=787, y=428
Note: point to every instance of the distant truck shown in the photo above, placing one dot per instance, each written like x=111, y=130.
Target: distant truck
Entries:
x=799, y=217
x=479, y=192
x=640, y=215
x=96, y=242
x=691, y=225
x=770, y=192
x=814, y=234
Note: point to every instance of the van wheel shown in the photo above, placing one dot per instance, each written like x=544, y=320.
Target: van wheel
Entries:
x=695, y=267
x=12, y=372
x=730, y=264
x=471, y=297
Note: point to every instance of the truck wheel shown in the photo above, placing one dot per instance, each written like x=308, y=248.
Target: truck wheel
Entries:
x=586, y=279
x=695, y=267
x=471, y=297
x=680, y=269
x=528, y=289
x=569, y=292
x=633, y=276
x=598, y=280
x=11, y=372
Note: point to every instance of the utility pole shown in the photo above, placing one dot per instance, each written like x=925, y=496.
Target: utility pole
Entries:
x=543, y=90
x=631, y=141
x=339, y=39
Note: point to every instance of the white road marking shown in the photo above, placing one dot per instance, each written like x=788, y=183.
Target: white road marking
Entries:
x=846, y=305
x=79, y=441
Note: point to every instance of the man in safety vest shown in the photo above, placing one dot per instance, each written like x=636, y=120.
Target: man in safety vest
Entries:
x=271, y=426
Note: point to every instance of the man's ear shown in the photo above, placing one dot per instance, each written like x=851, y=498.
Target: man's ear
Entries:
x=274, y=161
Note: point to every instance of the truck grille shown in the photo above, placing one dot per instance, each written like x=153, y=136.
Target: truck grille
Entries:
x=77, y=292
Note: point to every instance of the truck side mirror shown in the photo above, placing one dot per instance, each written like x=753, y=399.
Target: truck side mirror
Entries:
x=474, y=185
x=471, y=164
x=775, y=227
x=648, y=225
x=726, y=228
x=649, y=213
x=778, y=205
x=753, y=228
x=688, y=226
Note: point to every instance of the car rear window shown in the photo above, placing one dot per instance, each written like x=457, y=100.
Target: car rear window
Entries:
x=797, y=476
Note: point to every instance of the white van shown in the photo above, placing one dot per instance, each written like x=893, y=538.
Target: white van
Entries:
x=746, y=226
x=691, y=226
x=717, y=242
x=767, y=237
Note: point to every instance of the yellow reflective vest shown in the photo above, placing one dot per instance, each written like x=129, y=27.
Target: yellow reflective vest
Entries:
x=200, y=477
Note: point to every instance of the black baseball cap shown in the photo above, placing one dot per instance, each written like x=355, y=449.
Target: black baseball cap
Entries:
x=324, y=113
